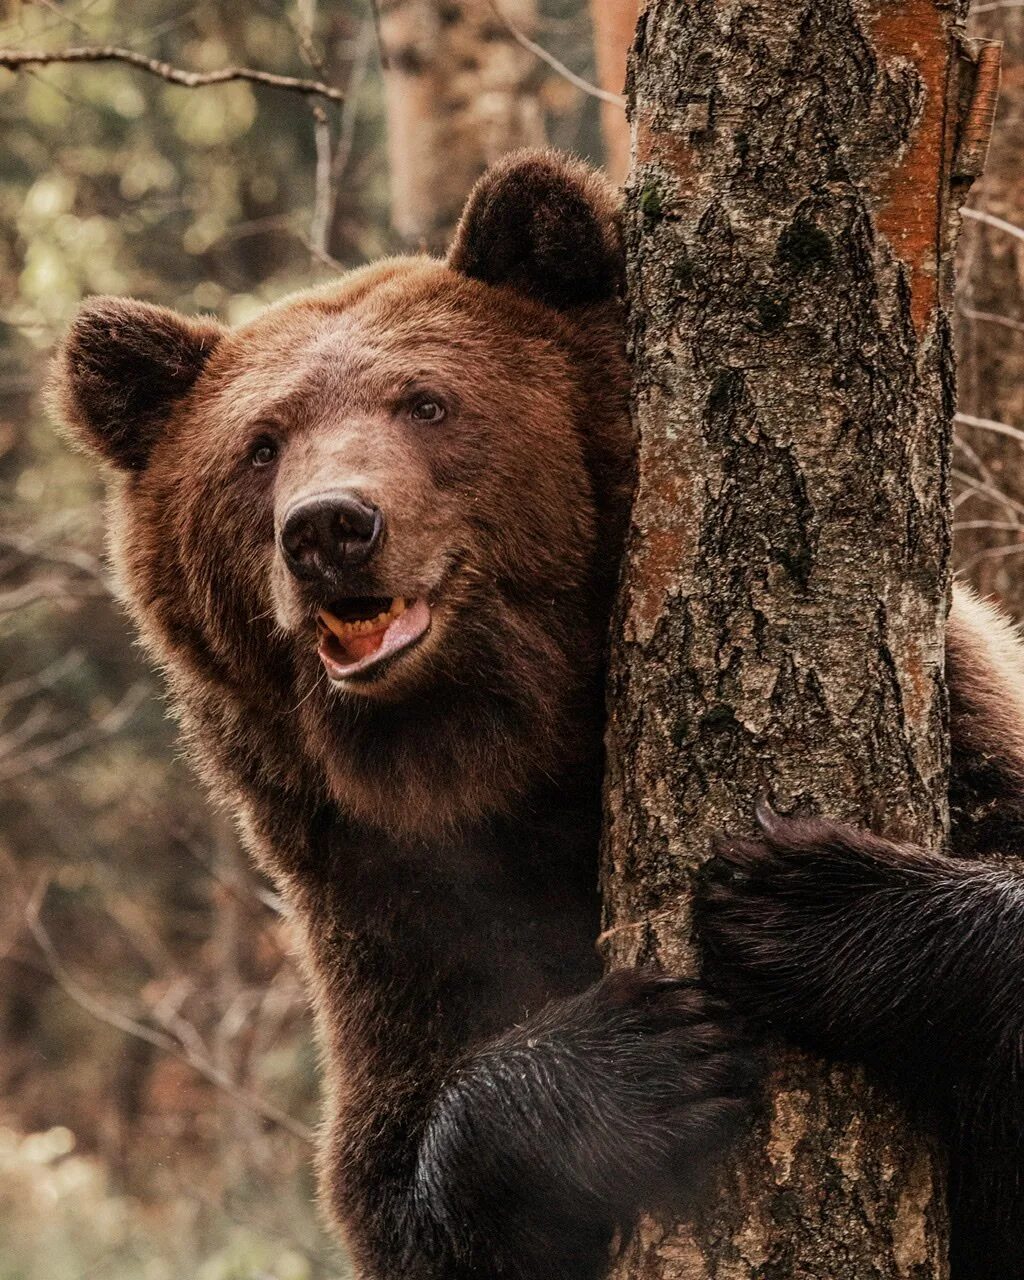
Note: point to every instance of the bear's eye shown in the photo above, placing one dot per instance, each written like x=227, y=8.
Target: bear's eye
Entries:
x=263, y=452
x=427, y=410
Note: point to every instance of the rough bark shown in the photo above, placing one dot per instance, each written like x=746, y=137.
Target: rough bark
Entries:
x=461, y=91
x=991, y=349
x=613, y=22
x=790, y=220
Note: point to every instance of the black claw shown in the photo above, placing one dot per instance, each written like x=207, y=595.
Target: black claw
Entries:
x=717, y=870
x=667, y=982
x=767, y=819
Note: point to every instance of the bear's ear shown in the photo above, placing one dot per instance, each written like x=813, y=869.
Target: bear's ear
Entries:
x=546, y=225
x=119, y=372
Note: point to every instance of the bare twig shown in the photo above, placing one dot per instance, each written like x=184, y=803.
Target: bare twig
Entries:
x=539, y=51
x=986, y=490
x=1007, y=526
x=993, y=553
x=158, y=1039
x=984, y=471
x=990, y=219
x=47, y=588
x=993, y=317
x=320, y=222
x=990, y=424
x=323, y=203
x=15, y=690
x=249, y=893
x=18, y=764
x=52, y=8
x=14, y=59
x=350, y=111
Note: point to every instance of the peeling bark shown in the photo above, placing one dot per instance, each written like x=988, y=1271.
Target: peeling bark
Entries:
x=790, y=220
x=460, y=93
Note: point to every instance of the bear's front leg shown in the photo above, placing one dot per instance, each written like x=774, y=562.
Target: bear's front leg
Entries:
x=865, y=948
x=544, y=1141
x=912, y=962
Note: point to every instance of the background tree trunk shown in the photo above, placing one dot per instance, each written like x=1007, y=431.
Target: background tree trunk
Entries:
x=990, y=340
x=460, y=93
x=790, y=223
x=613, y=22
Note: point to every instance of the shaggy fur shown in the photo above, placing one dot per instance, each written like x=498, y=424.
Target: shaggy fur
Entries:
x=911, y=962
x=435, y=831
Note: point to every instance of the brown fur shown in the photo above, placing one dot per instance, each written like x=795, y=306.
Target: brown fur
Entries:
x=435, y=833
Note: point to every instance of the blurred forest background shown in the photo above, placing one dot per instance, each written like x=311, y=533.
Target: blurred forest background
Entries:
x=157, y=1072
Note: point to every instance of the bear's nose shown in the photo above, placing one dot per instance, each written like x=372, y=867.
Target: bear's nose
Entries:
x=323, y=536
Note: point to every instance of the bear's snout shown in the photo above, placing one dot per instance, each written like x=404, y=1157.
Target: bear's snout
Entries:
x=323, y=536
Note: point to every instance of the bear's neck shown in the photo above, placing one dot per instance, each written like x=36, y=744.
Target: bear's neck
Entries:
x=455, y=755
x=423, y=936
x=421, y=947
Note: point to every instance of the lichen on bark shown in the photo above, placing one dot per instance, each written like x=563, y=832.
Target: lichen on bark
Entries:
x=790, y=221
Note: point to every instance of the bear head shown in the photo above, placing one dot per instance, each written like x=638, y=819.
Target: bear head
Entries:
x=380, y=523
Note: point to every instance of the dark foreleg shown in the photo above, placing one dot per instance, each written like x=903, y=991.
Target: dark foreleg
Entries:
x=542, y=1142
x=911, y=962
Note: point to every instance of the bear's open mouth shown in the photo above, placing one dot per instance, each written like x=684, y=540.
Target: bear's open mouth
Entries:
x=360, y=632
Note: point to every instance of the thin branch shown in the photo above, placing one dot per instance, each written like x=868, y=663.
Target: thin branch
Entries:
x=984, y=471
x=15, y=690
x=14, y=59
x=48, y=588
x=350, y=111
x=990, y=424
x=158, y=1039
x=52, y=8
x=42, y=757
x=381, y=51
x=71, y=557
x=1009, y=526
x=320, y=222
x=986, y=490
x=245, y=891
x=993, y=553
x=993, y=317
x=539, y=51
x=979, y=215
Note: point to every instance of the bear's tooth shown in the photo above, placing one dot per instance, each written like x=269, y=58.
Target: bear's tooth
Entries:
x=333, y=624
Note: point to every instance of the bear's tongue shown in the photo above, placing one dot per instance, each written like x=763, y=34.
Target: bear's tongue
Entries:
x=370, y=628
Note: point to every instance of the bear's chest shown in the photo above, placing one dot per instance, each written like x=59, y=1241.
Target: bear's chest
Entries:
x=456, y=939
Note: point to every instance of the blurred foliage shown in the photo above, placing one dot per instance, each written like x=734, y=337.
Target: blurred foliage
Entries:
x=121, y=1159
x=135, y=942
x=150, y=1011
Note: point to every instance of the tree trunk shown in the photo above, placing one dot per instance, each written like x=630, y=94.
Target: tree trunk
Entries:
x=613, y=22
x=990, y=338
x=790, y=223
x=461, y=91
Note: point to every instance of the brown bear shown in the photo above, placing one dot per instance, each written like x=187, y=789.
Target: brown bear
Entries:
x=372, y=538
